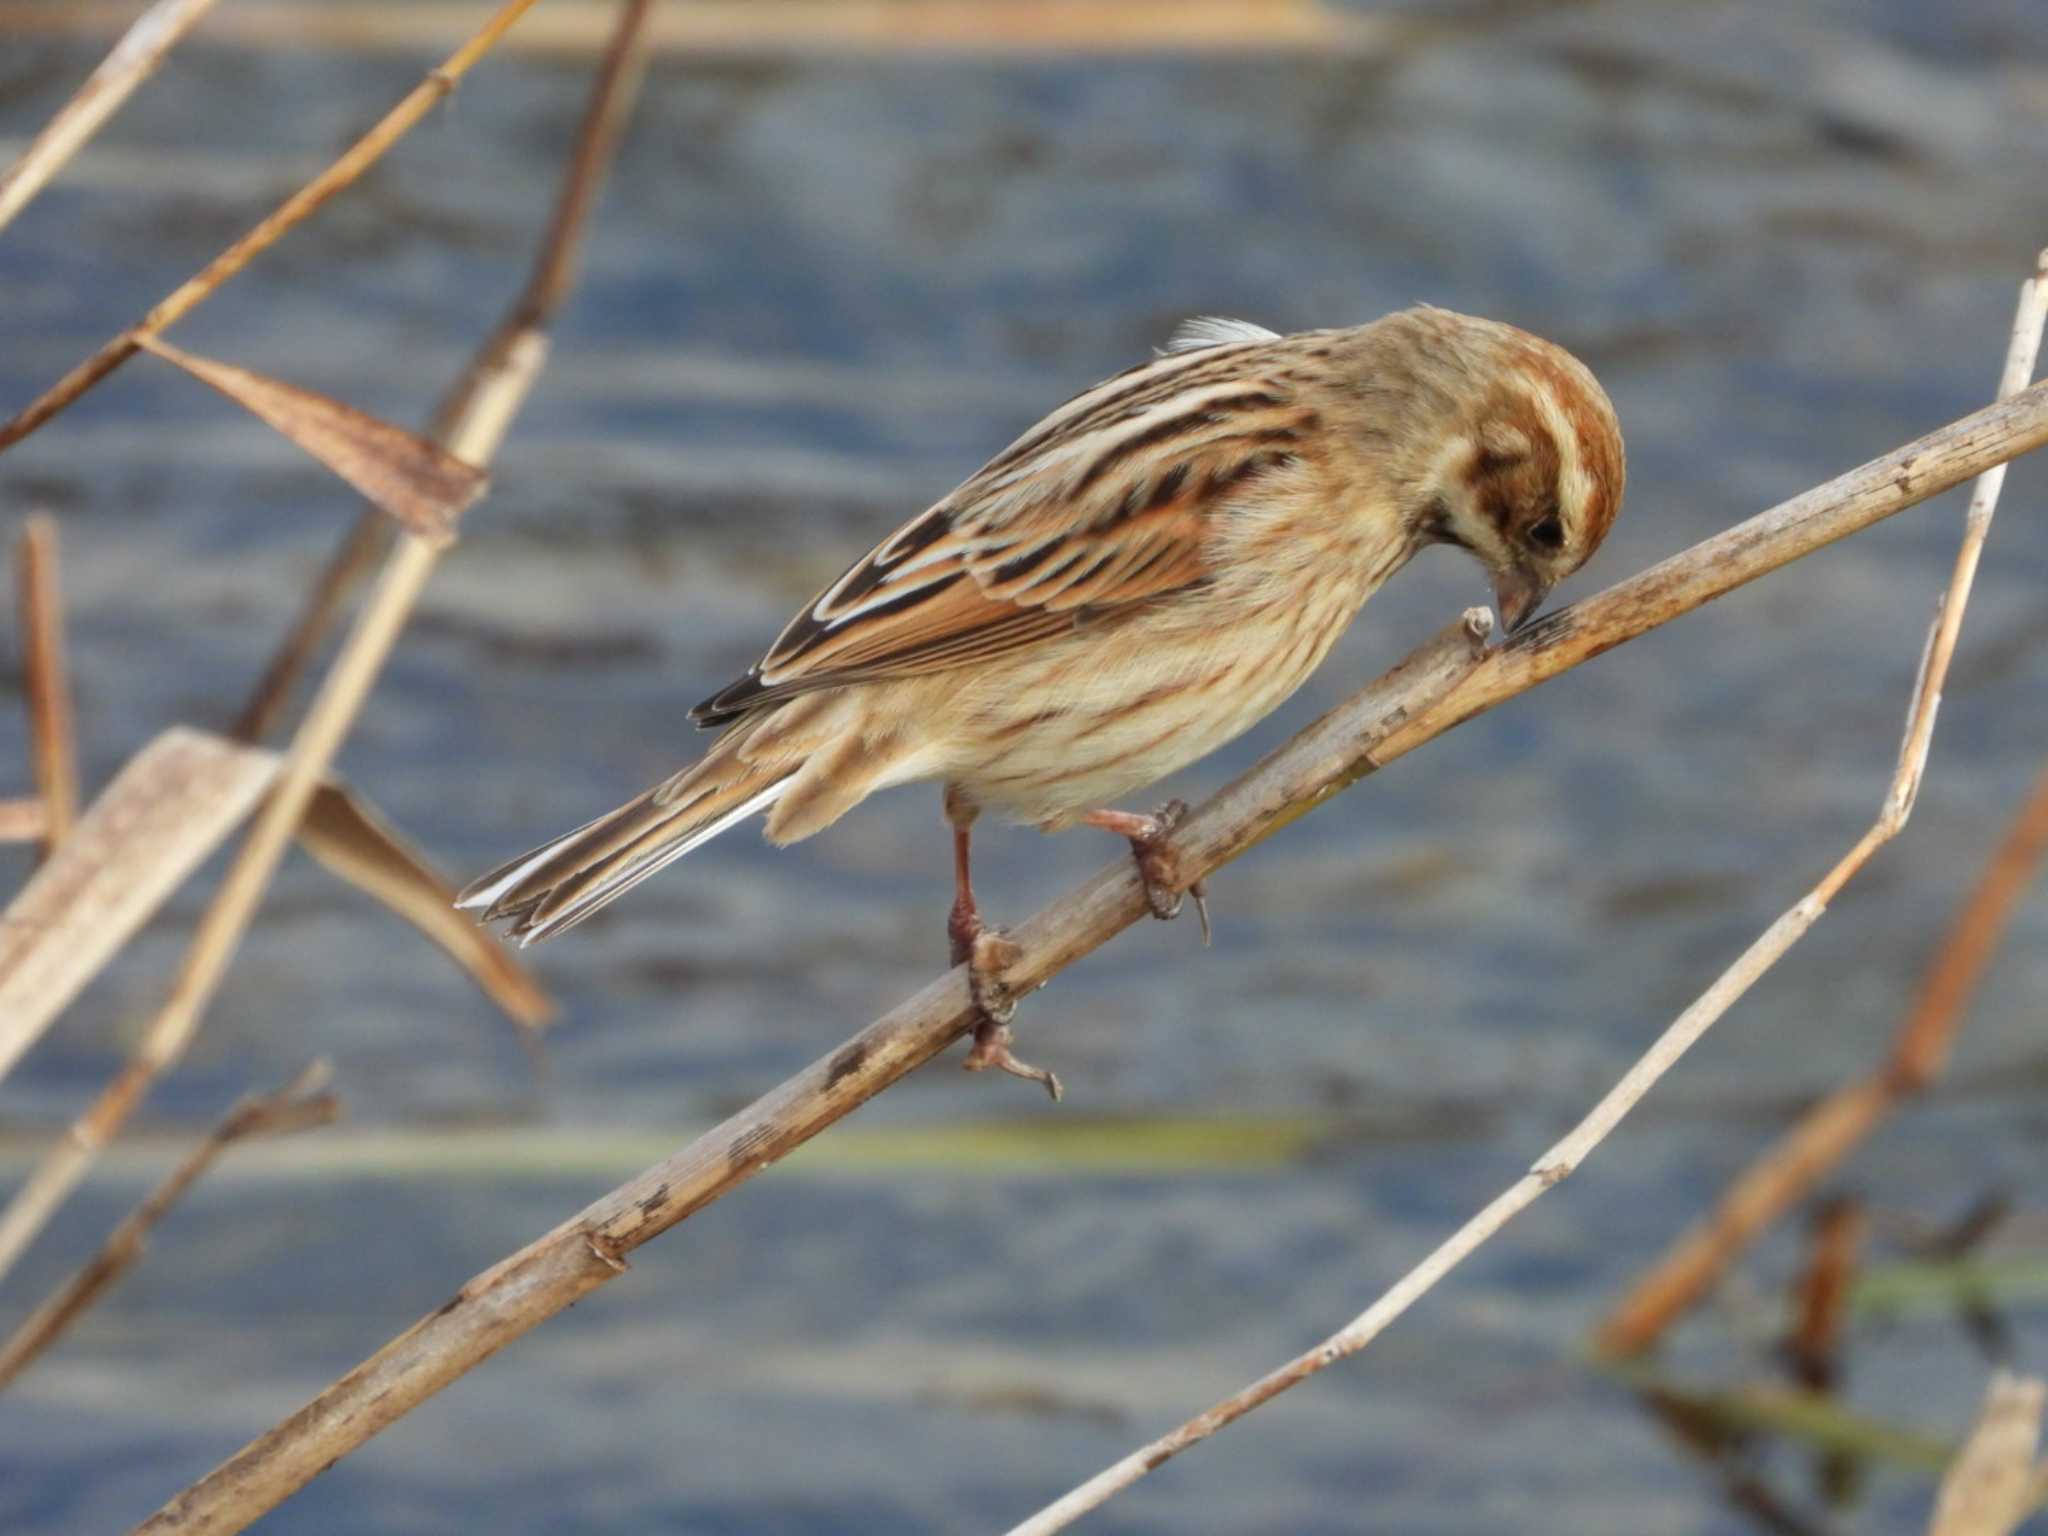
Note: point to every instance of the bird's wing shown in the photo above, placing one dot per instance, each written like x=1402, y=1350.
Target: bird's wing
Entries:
x=1107, y=503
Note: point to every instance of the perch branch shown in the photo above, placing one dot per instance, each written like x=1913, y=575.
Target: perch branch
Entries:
x=54, y=732
x=299, y=1105
x=134, y=59
x=1394, y=715
x=196, y=290
x=1564, y=1159
x=494, y=389
x=590, y=1248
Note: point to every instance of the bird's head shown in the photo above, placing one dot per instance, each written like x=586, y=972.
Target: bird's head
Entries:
x=1529, y=475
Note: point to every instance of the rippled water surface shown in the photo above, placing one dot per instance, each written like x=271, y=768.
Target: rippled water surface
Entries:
x=819, y=292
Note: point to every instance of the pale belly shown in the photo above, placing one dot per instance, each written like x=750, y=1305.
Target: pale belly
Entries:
x=1085, y=727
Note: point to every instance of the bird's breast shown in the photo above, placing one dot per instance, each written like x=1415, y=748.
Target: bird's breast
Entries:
x=1091, y=719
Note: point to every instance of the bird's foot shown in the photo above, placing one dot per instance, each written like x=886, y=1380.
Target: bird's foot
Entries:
x=992, y=1049
x=987, y=953
x=1158, y=864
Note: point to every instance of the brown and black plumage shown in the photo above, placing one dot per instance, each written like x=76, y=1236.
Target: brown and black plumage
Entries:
x=1136, y=580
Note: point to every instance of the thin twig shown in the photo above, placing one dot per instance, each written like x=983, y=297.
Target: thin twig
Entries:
x=1828, y=1132
x=358, y=158
x=1920, y=1053
x=134, y=59
x=1820, y=1301
x=494, y=394
x=1550, y=1170
x=552, y=277
x=300, y=1105
x=558, y=1269
x=54, y=731
x=1562, y=1160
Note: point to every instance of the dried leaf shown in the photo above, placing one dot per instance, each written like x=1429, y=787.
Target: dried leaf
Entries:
x=172, y=805
x=422, y=486
x=1989, y=1487
x=354, y=842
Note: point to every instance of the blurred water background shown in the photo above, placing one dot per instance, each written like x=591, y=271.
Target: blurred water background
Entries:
x=820, y=290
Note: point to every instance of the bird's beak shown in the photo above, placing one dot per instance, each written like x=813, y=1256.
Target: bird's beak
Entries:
x=1520, y=593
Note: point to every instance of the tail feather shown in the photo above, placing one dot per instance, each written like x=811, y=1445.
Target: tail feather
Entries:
x=530, y=878
x=557, y=885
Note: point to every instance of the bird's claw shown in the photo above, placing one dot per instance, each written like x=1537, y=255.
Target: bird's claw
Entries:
x=1159, y=867
x=992, y=1049
x=989, y=953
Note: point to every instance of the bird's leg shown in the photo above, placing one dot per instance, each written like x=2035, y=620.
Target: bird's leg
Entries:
x=986, y=952
x=963, y=923
x=1158, y=866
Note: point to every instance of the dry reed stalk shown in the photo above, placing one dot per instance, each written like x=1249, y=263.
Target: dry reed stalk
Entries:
x=23, y=821
x=188, y=296
x=300, y=1105
x=53, y=729
x=1833, y=1128
x=134, y=59
x=1779, y=1178
x=1439, y=687
x=168, y=808
x=549, y=283
x=1992, y=1485
x=1564, y=1158
x=712, y=28
x=1920, y=1053
x=495, y=388
x=170, y=1029
x=1821, y=1301
x=351, y=561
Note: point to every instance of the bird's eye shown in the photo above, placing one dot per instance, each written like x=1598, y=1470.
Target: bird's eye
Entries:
x=1549, y=533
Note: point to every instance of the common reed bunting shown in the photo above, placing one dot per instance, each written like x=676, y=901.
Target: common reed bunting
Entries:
x=1136, y=580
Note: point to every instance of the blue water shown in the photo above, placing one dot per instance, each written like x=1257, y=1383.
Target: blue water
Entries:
x=818, y=293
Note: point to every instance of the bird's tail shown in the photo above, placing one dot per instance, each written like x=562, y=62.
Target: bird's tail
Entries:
x=560, y=883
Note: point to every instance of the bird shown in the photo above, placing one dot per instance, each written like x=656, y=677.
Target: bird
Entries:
x=1139, y=578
